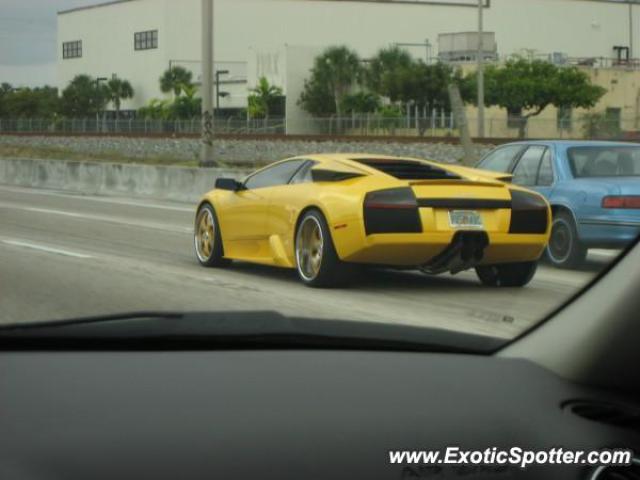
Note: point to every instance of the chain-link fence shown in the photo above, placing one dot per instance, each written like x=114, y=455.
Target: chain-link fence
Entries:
x=139, y=126
x=588, y=126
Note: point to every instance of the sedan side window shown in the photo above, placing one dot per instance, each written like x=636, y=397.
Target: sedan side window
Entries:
x=545, y=176
x=279, y=174
x=501, y=159
x=526, y=172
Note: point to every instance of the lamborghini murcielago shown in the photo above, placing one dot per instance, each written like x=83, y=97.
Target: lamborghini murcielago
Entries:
x=324, y=214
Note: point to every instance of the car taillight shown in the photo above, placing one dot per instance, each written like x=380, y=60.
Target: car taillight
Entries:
x=621, y=201
x=529, y=213
x=394, y=210
x=393, y=198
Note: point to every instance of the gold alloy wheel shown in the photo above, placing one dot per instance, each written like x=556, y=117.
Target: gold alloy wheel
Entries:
x=309, y=245
x=205, y=235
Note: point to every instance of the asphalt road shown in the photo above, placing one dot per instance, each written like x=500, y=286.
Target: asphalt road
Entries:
x=66, y=256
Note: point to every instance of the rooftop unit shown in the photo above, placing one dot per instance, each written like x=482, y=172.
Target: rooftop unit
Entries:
x=463, y=47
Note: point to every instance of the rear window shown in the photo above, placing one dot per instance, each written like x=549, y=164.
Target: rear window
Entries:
x=606, y=161
x=407, y=169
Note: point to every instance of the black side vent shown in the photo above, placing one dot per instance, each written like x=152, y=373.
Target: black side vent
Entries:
x=408, y=169
x=623, y=416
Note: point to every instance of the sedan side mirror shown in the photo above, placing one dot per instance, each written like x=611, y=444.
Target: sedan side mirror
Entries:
x=228, y=184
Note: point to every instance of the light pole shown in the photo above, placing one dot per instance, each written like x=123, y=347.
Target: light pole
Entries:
x=631, y=52
x=480, y=69
x=206, y=153
x=218, y=93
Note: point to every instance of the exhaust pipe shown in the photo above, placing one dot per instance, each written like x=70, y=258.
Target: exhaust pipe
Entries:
x=464, y=252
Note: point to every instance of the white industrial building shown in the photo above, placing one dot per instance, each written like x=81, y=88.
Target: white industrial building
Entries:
x=139, y=39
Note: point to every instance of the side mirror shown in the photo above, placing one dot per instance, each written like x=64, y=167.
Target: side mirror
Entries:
x=228, y=184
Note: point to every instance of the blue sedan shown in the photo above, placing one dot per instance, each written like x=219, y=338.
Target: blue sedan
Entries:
x=593, y=188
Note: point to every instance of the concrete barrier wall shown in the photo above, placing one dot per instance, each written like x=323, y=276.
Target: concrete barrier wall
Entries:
x=161, y=182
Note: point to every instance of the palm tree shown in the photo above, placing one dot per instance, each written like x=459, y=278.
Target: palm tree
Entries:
x=333, y=76
x=118, y=90
x=342, y=69
x=175, y=79
x=263, y=96
x=387, y=72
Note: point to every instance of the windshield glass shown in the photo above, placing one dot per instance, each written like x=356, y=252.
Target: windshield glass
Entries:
x=366, y=161
x=620, y=161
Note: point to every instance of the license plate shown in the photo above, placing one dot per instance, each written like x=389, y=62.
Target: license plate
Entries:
x=465, y=219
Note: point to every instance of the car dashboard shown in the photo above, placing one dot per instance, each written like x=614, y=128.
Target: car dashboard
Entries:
x=303, y=414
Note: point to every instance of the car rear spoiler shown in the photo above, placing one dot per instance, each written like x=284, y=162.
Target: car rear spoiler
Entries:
x=476, y=173
x=477, y=182
x=502, y=177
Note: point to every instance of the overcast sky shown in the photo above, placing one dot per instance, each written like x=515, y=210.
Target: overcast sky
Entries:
x=28, y=39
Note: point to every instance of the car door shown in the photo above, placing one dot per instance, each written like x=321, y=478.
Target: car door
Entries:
x=525, y=172
x=245, y=211
x=285, y=203
x=546, y=178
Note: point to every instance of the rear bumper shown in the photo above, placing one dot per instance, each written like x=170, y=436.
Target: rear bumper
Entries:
x=436, y=235
x=419, y=249
x=607, y=233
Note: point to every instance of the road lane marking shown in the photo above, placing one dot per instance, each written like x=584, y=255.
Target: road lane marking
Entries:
x=47, y=210
x=101, y=218
x=609, y=254
x=45, y=248
x=83, y=197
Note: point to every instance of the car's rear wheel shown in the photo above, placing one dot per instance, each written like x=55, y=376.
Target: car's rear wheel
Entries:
x=207, y=238
x=317, y=262
x=564, y=249
x=507, y=274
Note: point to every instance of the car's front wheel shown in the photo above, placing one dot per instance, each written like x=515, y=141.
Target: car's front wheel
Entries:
x=564, y=249
x=207, y=238
x=507, y=274
x=317, y=262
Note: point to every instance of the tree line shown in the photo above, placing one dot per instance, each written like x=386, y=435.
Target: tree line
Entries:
x=86, y=96
x=342, y=83
x=83, y=97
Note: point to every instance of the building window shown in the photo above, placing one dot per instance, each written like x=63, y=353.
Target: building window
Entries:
x=72, y=49
x=613, y=118
x=565, y=118
x=515, y=118
x=145, y=40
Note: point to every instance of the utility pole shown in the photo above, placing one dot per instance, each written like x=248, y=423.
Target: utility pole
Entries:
x=480, y=69
x=98, y=101
x=631, y=52
x=206, y=154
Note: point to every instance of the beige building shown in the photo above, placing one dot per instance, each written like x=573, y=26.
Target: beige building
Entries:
x=619, y=109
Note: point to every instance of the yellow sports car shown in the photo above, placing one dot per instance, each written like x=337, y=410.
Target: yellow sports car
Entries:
x=322, y=214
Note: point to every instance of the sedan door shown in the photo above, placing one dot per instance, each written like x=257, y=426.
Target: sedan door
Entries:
x=534, y=170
